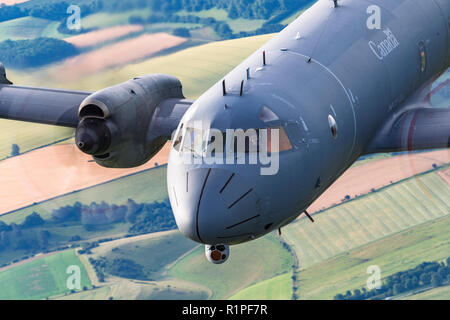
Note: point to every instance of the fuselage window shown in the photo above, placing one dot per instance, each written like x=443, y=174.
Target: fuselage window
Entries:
x=333, y=126
x=423, y=57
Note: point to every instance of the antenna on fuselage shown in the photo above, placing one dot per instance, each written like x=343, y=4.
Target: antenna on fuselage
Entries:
x=242, y=88
x=307, y=214
x=224, y=89
x=264, y=57
x=335, y=3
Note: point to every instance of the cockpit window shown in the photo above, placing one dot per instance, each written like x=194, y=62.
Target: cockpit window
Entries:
x=195, y=140
x=207, y=142
x=284, y=142
x=267, y=115
x=250, y=141
x=178, y=138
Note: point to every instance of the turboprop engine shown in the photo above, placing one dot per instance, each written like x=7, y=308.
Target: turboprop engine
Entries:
x=126, y=125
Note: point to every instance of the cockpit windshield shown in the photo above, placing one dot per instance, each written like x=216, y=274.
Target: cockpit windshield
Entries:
x=203, y=142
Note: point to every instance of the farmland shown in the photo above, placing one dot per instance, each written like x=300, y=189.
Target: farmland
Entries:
x=29, y=28
x=348, y=271
x=168, y=258
x=41, y=278
x=374, y=216
x=123, y=52
x=117, y=192
x=277, y=288
x=394, y=228
x=103, y=35
x=249, y=263
x=39, y=174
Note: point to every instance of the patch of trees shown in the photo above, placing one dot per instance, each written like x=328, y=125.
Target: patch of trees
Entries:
x=11, y=12
x=124, y=268
x=250, y=9
x=148, y=218
x=144, y=217
x=31, y=236
x=425, y=275
x=58, y=10
x=182, y=32
x=15, y=150
x=35, y=52
x=220, y=27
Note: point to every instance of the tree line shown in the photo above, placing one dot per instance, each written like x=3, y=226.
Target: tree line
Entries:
x=426, y=274
x=35, y=52
x=34, y=233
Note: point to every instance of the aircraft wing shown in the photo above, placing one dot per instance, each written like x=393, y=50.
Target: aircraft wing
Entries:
x=48, y=106
x=414, y=129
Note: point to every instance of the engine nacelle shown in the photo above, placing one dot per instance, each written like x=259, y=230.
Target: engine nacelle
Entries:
x=118, y=124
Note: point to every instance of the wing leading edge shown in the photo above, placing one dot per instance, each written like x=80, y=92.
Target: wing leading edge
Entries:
x=47, y=106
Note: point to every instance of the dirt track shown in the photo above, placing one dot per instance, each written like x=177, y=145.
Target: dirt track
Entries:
x=57, y=170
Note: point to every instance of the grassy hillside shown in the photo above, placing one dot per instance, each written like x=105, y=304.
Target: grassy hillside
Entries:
x=442, y=293
x=198, y=68
x=236, y=25
x=41, y=278
x=249, y=263
x=396, y=227
x=29, y=28
x=28, y=135
x=277, y=288
x=154, y=253
x=372, y=217
x=348, y=271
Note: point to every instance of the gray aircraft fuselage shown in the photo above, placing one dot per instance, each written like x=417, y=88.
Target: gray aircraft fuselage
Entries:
x=327, y=63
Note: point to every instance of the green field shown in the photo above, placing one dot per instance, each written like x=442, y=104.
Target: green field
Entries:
x=348, y=271
x=237, y=25
x=441, y=293
x=396, y=228
x=147, y=186
x=29, y=28
x=249, y=263
x=41, y=278
x=108, y=19
x=198, y=68
x=277, y=288
x=154, y=254
x=369, y=218
x=169, y=258
x=28, y=136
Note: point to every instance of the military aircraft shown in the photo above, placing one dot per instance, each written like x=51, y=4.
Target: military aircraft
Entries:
x=347, y=78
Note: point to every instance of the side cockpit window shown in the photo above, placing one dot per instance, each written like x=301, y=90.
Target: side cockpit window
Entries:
x=178, y=138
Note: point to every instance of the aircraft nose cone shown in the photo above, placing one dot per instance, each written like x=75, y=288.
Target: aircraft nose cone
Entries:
x=215, y=206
